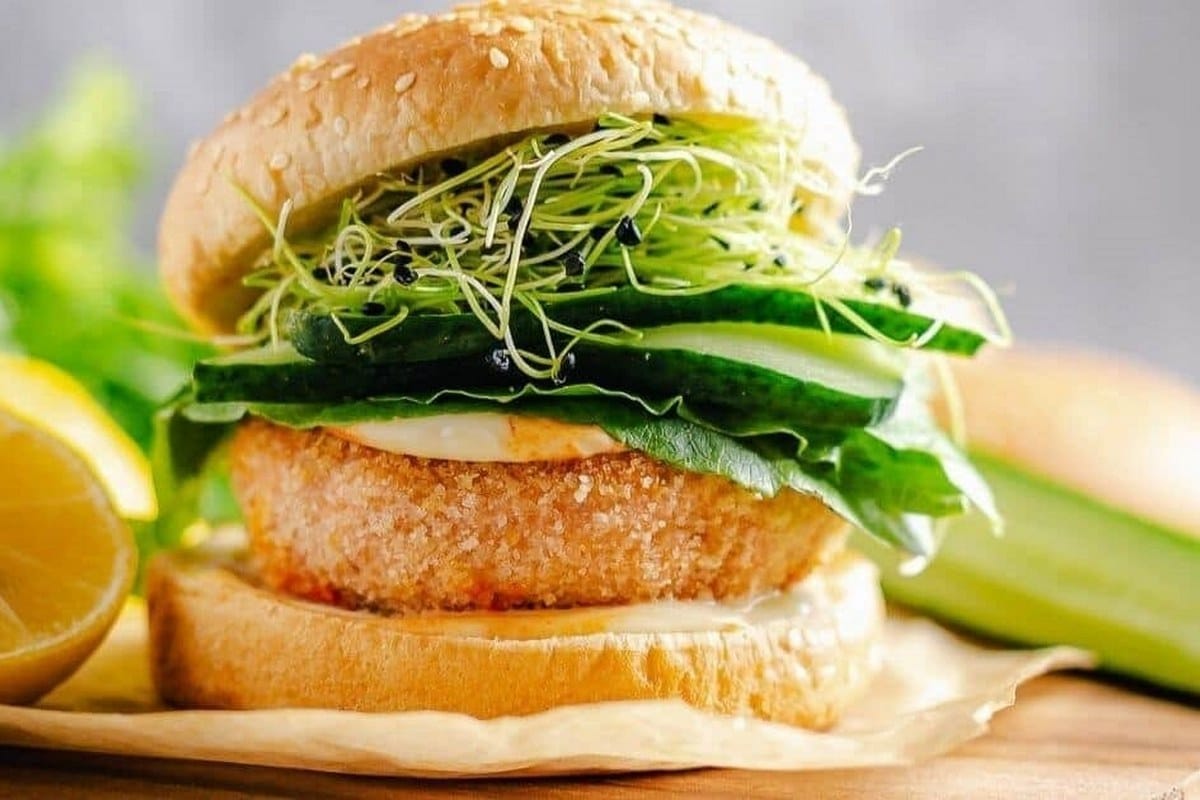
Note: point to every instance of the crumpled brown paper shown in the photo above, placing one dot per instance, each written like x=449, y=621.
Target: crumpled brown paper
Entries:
x=935, y=692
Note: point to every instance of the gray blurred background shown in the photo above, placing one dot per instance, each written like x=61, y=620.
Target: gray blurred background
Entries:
x=1060, y=138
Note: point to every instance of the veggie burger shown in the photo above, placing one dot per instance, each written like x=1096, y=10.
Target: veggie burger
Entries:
x=556, y=380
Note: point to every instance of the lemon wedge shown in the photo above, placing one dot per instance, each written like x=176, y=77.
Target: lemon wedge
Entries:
x=54, y=401
x=67, y=561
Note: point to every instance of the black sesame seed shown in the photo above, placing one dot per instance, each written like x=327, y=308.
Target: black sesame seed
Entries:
x=611, y=169
x=404, y=275
x=322, y=274
x=724, y=245
x=757, y=205
x=903, y=295
x=661, y=119
x=514, y=206
x=573, y=263
x=499, y=360
x=875, y=283
x=453, y=166
x=598, y=232
x=780, y=260
x=711, y=207
x=556, y=140
x=373, y=308
x=628, y=232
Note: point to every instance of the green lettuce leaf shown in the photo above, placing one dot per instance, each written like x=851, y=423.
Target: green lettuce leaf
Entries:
x=872, y=479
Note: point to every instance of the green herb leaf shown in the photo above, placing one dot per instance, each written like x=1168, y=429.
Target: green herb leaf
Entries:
x=669, y=431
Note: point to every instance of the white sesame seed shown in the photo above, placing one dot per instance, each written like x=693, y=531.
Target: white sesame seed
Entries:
x=340, y=125
x=341, y=71
x=272, y=116
x=362, y=81
x=307, y=83
x=633, y=36
x=613, y=15
x=498, y=58
x=405, y=82
x=409, y=23
x=521, y=24
x=307, y=61
x=279, y=161
x=482, y=27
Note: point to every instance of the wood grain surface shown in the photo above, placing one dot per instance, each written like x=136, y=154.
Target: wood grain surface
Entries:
x=1069, y=736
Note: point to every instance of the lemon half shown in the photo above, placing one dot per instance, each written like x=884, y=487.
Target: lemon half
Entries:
x=68, y=477
x=54, y=401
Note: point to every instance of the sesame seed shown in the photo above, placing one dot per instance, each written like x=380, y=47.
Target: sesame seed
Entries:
x=340, y=125
x=306, y=61
x=272, y=116
x=628, y=233
x=279, y=161
x=573, y=264
x=405, y=82
x=521, y=24
x=404, y=275
x=409, y=23
x=341, y=71
x=307, y=83
x=498, y=58
x=362, y=81
x=613, y=15
x=633, y=37
x=485, y=27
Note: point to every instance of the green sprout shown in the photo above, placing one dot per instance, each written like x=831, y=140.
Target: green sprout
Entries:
x=668, y=206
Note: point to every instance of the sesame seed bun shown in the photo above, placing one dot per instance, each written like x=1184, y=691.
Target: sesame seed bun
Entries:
x=211, y=629
x=423, y=86
x=339, y=522
x=1106, y=427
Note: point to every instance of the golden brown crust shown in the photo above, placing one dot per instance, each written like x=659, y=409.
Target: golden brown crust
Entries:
x=1112, y=429
x=219, y=642
x=338, y=522
x=425, y=85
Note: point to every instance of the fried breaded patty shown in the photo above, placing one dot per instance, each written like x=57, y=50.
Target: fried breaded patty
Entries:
x=338, y=522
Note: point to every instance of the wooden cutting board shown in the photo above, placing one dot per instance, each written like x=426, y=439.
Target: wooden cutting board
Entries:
x=1068, y=736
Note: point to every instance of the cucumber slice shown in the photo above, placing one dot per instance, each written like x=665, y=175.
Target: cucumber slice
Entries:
x=849, y=364
x=425, y=337
x=800, y=379
x=1067, y=570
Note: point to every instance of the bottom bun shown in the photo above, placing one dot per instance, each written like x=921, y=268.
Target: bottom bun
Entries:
x=219, y=641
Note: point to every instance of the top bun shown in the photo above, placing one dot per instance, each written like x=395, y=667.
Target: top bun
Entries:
x=1111, y=429
x=425, y=85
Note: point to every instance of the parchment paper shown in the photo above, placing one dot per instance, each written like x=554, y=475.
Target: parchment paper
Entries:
x=935, y=692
